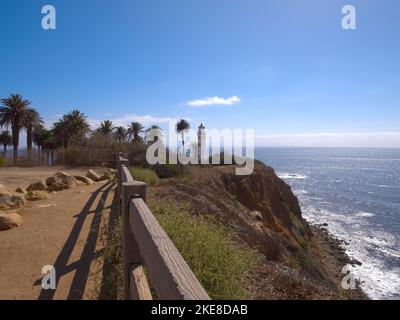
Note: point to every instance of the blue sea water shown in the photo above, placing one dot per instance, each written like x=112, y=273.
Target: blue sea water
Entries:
x=357, y=192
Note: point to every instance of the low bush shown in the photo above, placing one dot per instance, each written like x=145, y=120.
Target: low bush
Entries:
x=167, y=170
x=145, y=175
x=220, y=263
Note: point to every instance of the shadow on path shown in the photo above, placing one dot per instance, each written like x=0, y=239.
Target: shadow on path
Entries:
x=111, y=276
x=88, y=254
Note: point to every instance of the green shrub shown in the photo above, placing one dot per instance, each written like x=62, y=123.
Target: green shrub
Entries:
x=220, y=264
x=167, y=170
x=112, y=286
x=146, y=175
x=3, y=162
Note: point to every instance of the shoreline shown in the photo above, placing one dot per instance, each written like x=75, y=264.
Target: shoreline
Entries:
x=337, y=258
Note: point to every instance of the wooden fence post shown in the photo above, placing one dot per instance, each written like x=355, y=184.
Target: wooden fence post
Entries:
x=130, y=249
x=120, y=162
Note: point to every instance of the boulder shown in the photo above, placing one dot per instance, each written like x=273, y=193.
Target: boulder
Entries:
x=37, y=186
x=9, y=221
x=85, y=180
x=108, y=175
x=112, y=171
x=21, y=190
x=63, y=178
x=58, y=187
x=36, y=195
x=104, y=177
x=10, y=200
x=93, y=175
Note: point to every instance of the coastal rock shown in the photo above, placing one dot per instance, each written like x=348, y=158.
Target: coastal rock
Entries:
x=58, y=187
x=91, y=174
x=85, y=180
x=37, y=186
x=112, y=171
x=21, y=190
x=36, y=195
x=107, y=176
x=257, y=215
x=10, y=200
x=104, y=177
x=62, y=177
x=9, y=221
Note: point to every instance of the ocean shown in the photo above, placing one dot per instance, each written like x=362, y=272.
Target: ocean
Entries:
x=357, y=193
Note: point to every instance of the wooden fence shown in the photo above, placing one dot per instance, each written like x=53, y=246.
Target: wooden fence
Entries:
x=146, y=246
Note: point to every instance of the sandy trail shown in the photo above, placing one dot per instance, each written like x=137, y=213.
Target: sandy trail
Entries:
x=63, y=231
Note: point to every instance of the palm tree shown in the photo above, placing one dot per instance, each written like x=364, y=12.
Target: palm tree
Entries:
x=134, y=131
x=50, y=144
x=181, y=127
x=38, y=137
x=73, y=124
x=14, y=114
x=121, y=133
x=157, y=129
x=31, y=120
x=106, y=128
x=5, y=140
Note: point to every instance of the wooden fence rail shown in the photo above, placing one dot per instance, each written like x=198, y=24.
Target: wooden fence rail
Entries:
x=146, y=246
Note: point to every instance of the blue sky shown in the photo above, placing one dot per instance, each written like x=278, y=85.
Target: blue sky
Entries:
x=291, y=71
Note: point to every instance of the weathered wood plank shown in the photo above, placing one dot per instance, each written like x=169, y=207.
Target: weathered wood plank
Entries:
x=169, y=273
x=125, y=174
x=139, y=287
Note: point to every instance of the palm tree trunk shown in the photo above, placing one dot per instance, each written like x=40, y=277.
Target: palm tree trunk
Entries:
x=183, y=151
x=29, y=142
x=52, y=157
x=15, y=137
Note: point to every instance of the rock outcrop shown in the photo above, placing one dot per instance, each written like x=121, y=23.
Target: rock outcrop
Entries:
x=85, y=180
x=10, y=200
x=61, y=178
x=21, y=190
x=37, y=186
x=36, y=195
x=91, y=174
x=262, y=211
x=9, y=221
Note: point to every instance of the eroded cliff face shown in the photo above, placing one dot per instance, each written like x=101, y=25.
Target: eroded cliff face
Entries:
x=263, y=213
x=261, y=208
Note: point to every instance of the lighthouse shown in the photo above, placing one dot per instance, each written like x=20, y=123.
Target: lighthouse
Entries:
x=201, y=140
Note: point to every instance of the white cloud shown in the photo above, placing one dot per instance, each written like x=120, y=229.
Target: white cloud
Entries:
x=342, y=139
x=213, y=101
x=127, y=119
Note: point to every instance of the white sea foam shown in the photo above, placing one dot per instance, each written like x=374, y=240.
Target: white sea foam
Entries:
x=299, y=192
x=288, y=175
x=377, y=280
x=364, y=214
x=387, y=186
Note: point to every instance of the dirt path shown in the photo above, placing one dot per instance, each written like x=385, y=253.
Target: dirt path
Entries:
x=63, y=231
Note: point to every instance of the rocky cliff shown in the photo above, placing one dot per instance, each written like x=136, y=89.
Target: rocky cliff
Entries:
x=301, y=261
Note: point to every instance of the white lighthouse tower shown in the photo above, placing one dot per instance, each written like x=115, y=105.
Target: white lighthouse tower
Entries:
x=201, y=140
